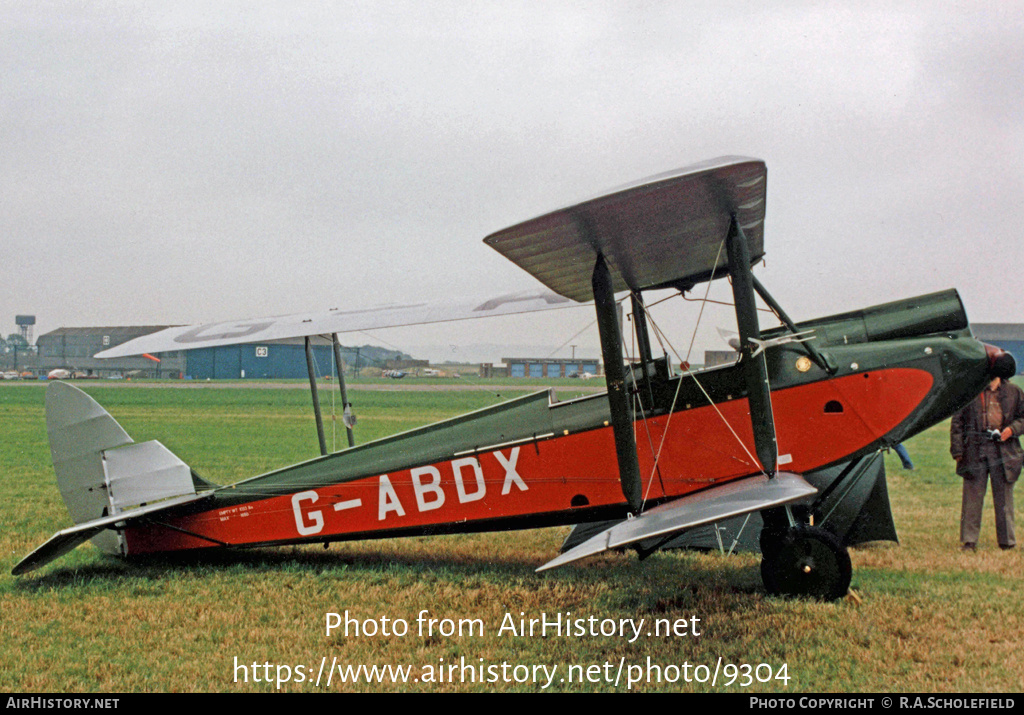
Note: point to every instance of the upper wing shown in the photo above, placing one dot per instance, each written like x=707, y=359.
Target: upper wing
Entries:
x=665, y=231
x=283, y=327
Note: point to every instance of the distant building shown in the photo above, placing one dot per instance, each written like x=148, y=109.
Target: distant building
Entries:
x=73, y=349
x=406, y=364
x=551, y=367
x=1008, y=336
x=488, y=369
x=257, y=361
x=279, y=360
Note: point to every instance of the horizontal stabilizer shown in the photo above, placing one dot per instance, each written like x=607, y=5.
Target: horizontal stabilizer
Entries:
x=710, y=505
x=336, y=320
x=64, y=541
x=664, y=231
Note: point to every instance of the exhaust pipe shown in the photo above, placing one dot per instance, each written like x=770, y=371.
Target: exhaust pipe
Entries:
x=1000, y=363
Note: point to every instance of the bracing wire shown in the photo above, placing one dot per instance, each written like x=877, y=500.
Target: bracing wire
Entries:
x=576, y=335
x=690, y=373
x=334, y=410
x=638, y=401
x=717, y=302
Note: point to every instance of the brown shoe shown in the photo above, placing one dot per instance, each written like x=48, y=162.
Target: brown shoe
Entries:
x=969, y=547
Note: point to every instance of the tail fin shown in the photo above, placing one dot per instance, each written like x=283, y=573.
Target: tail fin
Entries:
x=104, y=477
x=80, y=431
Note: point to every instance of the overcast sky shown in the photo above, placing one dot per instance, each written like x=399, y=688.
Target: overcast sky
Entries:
x=167, y=163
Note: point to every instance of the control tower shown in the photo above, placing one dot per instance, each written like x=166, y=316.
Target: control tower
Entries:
x=25, y=323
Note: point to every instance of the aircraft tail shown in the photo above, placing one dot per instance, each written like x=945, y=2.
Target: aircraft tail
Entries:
x=104, y=477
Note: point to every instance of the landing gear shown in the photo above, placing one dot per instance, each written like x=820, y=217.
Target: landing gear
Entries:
x=805, y=561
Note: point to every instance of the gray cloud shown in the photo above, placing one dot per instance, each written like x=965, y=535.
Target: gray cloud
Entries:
x=192, y=162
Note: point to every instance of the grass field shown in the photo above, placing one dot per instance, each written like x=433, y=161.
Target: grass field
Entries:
x=926, y=618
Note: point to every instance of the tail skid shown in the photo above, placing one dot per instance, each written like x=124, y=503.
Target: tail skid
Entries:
x=104, y=477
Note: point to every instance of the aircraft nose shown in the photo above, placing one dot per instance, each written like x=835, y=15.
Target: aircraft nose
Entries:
x=1000, y=363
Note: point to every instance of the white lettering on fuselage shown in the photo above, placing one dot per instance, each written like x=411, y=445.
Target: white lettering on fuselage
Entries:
x=511, y=476
x=467, y=474
x=433, y=487
x=460, y=485
x=316, y=518
x=387, y=499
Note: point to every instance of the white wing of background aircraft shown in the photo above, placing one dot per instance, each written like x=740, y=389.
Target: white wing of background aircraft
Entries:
x=335, y=320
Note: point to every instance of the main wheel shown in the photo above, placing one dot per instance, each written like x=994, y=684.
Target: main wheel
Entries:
x=807, y=561
x=769, y=540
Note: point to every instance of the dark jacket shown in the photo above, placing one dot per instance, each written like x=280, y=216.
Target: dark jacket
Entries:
x=967, y=434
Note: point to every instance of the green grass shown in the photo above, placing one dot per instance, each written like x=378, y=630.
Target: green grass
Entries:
x=928, y=618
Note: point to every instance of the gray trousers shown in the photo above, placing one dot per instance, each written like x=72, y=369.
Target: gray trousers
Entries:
x=974, y=501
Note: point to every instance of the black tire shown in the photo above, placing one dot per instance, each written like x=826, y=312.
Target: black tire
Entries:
x=807, y=562
x=770, y=540
x=768, y=575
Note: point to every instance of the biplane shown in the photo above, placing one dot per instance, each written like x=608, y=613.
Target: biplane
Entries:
x=662, y=451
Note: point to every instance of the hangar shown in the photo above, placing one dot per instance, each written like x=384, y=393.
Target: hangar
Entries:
x=552, y=367
x=252, y=361
x=73, y=349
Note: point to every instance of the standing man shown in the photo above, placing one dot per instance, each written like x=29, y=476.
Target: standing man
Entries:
x=983, y=441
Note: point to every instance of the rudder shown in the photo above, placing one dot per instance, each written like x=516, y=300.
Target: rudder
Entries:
x=100, y=470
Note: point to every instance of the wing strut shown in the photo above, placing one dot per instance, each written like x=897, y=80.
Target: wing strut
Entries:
x=643, y=340
x=345, y=406
x=759, y=395
x=818, y=358
x=618, y=400
x=316, y=398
